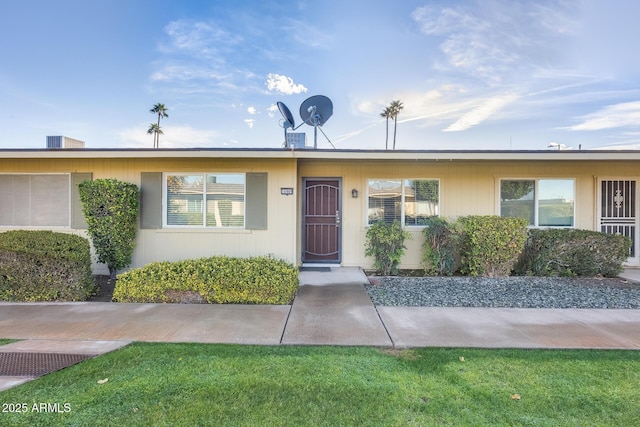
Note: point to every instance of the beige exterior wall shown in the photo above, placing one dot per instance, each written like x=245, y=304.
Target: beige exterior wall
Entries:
x=466, y=188
x=174, y=244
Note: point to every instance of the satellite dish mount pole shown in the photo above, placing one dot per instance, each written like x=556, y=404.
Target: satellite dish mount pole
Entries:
x=315, y=118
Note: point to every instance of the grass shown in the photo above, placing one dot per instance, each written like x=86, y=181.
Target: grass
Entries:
x=200, y=384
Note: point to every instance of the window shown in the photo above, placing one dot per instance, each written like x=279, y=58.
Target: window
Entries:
x=205, y=200
x=41, y=200
x=409, y=201
x=543, y=202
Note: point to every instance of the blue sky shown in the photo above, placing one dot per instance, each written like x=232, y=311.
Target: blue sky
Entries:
x=485, y=74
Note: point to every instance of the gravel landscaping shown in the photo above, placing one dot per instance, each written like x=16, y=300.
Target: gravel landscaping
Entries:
x=514, y=291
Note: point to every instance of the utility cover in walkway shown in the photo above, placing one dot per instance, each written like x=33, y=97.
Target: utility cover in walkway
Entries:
x=37, y=364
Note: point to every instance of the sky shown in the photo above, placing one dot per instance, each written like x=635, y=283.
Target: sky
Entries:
x=471, y=74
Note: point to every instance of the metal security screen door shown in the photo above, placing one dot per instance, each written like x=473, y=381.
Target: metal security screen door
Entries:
x=618, y=211
x=321, y=220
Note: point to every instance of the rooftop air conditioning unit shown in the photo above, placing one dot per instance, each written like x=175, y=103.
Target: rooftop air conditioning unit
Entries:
x=297, y=140
x=63, y=142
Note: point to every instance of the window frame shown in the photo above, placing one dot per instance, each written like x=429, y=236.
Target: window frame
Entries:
x=402, y=199
x=203, y=226
x=536, y=199
x=69, y=200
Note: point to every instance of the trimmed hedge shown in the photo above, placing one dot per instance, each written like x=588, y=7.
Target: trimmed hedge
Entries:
x=569, y=252
x=111, y=209
x=491, y=244
x=218, y=280
x=44, y=266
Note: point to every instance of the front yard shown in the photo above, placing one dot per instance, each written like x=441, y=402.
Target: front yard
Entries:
x=199, y=384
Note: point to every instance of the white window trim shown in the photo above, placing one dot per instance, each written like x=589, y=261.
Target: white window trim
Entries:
x=44, y=227
x=202, y=227
x=536, y=201
x=402, y=199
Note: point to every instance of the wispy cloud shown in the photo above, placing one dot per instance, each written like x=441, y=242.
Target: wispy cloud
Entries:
x=250, y=122
x=612, y=116
x=182, y=72
x=482, y=112
x=308, y=35
x=451, y=107
x=206, y=39
x=198, y=57
x=496, y=41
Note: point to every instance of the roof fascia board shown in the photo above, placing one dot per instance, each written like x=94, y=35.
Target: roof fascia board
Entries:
x=384, y=155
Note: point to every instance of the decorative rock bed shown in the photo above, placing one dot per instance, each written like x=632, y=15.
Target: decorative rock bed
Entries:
x=513, y=291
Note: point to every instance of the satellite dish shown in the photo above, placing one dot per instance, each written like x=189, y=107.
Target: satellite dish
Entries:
x=286, y=114
x=315, y=111
x=288, y=119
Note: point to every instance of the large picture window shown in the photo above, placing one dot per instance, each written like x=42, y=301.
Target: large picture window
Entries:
x=543, y=202
x=205, y=200
x=35, y=200
x=409, y=201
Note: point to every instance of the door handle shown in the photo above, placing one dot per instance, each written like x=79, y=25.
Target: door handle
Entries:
x=337, y=218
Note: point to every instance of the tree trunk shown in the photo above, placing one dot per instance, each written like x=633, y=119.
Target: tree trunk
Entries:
x=112, y=273
x=158, y=133
x=395, y=126
x=386, y=141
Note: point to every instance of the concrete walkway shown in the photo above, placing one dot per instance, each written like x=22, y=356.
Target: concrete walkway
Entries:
x=331, y=308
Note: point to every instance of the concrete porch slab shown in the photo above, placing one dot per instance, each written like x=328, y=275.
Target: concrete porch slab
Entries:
x=336, y=275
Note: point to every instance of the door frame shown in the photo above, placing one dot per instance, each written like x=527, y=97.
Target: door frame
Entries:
x=303, y=216
x=634, y=260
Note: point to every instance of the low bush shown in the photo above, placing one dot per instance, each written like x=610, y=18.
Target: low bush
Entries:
x=44, y=266
x=385, y=243
x=441, y=248
x=221, y=280
x=569, y=252
x=491, y=245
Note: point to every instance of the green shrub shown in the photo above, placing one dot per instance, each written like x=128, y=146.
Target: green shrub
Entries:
x=111, y=210
x=385, y=243
x=491, y=244
x=441, y=248
x=44, y=266
x=569, y=252
x=221, y=280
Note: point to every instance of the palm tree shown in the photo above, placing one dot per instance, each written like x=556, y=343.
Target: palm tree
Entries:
x=386, y=113
x=156, y=131
x=395, y=107
x=161, y=111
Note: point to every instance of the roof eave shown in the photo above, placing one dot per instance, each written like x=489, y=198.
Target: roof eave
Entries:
x=269, y=153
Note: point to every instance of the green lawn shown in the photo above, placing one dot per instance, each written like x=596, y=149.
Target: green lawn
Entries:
x=199, y=384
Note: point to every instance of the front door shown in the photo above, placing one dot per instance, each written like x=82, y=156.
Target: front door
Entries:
x=618, y=212
x=321, y=220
